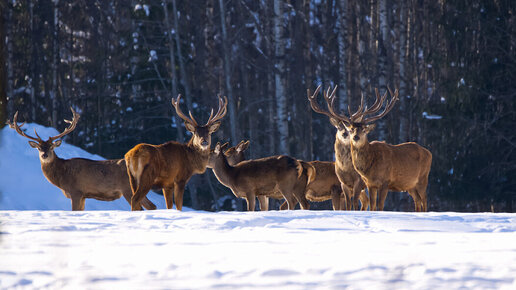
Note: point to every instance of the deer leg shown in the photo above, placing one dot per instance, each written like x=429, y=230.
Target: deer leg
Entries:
x=251, y=201
x=303, y=203
x=140, y=188
x=179, y=190
x=284, y=205
x=291, y=201
x=421, y=191
x=168, y=193
x=343, y=196
x=264, y=202
x=147, y=204
x=77, y=202
x=383, y=195
x=417, y=201
x=364, y=200
x=372, y=197
x=357, y=189
x=335, y=197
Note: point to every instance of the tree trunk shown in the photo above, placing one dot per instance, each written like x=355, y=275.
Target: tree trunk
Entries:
x=3, y=92
x=279, y=81
x=173, y=75
x=9, y=43
x=404, y=55
x=227, y=76
x=343, y=46
x=182, y=68
x=55, y=57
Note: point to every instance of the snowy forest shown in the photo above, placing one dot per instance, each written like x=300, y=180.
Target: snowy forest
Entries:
x=119, y=62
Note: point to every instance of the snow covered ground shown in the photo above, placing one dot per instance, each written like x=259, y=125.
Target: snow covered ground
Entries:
x=44, y=245
x=277, y=250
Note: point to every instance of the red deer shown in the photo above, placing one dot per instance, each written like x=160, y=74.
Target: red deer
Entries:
x=172, y=164
x=235, y=155
x=326, y=185
x=80, y=178
x=384, y=167
x=351, y=182
x=265, y=176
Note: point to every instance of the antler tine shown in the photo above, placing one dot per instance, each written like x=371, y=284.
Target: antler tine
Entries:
x=221, y=112
x=73, y=124
x=389, y=107
x=313, y=102
x=330, y=102
x=359, y=114
x=14, y=125
x=179, y=112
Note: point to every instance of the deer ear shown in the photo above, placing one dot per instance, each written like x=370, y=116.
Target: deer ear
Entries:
x=34, y=144
x=369, y=128
x=214, y=127
x=190, y=127
x=57, y=143
x=216, y=150
x=224, y=146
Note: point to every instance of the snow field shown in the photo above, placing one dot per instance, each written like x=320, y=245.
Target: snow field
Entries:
x=276, y=249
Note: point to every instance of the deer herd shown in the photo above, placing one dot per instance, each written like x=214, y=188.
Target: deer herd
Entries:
x=359, y=165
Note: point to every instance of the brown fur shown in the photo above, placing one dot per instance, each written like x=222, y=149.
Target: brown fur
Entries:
x=352, y=184
x=169, y=166
x=81, y=178
x=384, y=167
x=326, y=185
x=172, y=164
x=264, y=176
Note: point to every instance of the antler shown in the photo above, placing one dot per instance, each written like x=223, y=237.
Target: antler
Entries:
x=376, y=107
x=180, y=113
x=221, y=112
x=70, y=128
x=219, y=115
x=330, y=100
x=14, y=125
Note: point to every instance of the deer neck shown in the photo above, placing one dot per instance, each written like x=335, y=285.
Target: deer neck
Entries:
x=362, y=156
x=343, y=154
x=53, y=170
x=198, y=157
x=223, y=171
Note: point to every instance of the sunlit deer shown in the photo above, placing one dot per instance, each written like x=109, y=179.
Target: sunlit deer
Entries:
x=384, y=167
x=172, y=164
x=326, y=185
x=351, y=182
x=80, y=178
x=265, y=176
x=235, y=155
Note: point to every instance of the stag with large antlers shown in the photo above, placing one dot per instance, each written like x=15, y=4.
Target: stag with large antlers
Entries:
x=384, y=167
x=80, y=178
x=351, y=182
x=172, y=164
x=262, y=177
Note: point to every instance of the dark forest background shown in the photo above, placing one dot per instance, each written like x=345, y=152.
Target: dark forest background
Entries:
x=119, y=63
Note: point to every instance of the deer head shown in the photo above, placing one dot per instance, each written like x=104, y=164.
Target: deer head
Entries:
x=45, y=148
x=335, y=120
x=355, y=127
x=202, y=133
